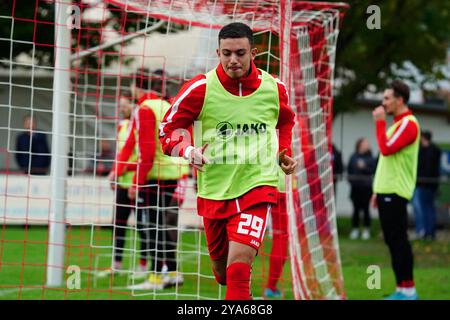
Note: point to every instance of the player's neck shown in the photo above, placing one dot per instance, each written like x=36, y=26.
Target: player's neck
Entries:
x=403, y=109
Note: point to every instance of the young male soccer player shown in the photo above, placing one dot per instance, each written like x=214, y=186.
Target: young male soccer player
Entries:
x=395, y=180
x=239, y=109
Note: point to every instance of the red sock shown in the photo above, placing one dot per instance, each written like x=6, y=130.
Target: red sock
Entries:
x=278, y=256
x=407, y=284
x=143, y=262
x=238, y=281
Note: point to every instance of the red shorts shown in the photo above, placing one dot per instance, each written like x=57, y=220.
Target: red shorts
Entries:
x=245, y=227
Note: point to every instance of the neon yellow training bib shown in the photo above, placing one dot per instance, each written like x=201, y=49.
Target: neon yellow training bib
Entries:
x=241, y=137
x=164, y=167
x=397, y=172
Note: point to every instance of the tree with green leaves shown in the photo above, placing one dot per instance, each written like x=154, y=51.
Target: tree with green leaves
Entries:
x=25, y=28
x=413, y=31
x=29, y=28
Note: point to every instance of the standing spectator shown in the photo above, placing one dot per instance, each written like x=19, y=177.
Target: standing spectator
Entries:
x=337, y=164
x=30, y=144
x=395, y=180
x=427, y=184
x=360, y=170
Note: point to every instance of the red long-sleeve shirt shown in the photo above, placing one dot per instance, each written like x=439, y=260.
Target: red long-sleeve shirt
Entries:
x=404, y=135
x=184, y=111
x=130, y=166
x=143, y=122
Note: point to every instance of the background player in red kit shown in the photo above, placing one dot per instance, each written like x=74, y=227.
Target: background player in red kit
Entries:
x=280, y=238
x=154, y=181
x=233, y=200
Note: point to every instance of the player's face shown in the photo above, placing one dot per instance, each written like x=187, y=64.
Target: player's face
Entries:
x=126, y=107
x=29, y=124
x=365, y=146
x=390, y=102
x=235, y=56
x=135, y=91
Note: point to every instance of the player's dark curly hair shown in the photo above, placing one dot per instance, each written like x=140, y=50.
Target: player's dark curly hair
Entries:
x=236, y=30
x=141, y=78
x=146, y=80
x=400, y=89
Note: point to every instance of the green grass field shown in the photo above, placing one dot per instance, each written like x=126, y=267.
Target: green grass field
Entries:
x=23, y=258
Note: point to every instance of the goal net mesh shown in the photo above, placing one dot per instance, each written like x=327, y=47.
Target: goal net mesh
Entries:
x=296, y=42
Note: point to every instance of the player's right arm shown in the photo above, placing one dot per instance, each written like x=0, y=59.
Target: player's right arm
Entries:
x=405, y=134
x=174, y=132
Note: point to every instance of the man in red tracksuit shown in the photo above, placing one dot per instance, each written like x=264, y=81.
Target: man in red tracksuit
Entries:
x=232, y=248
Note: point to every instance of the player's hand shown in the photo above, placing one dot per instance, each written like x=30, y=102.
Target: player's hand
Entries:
x=132, y=190
x=112, y=179
x=379, y=114
x=287, y=164
x=373, y=201
x=197, y=159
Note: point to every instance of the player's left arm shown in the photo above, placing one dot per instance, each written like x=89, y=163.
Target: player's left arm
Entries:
x=127, y=150
x=146, y=128
x=284, y=127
